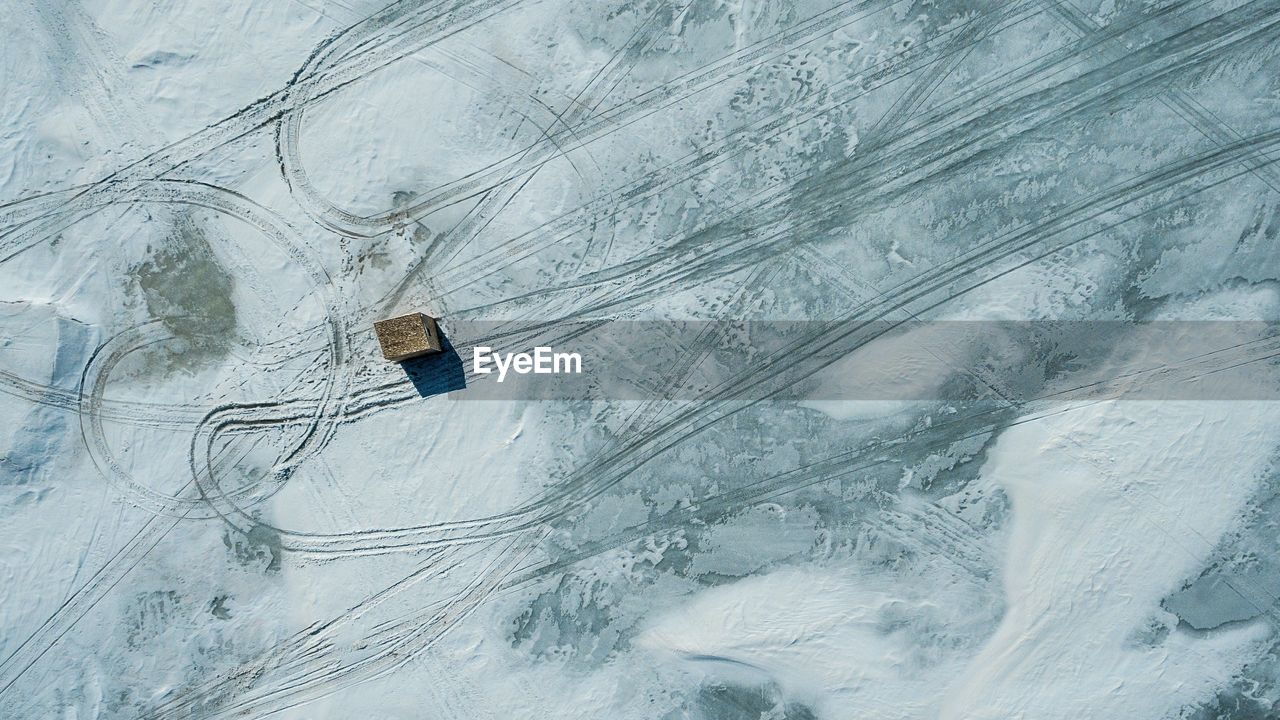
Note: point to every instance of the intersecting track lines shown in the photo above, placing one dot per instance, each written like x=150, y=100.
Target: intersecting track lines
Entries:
x=1108, y=200
x=943, y=432
x=499, y=195
x=319, y=416
x=933, y=148
x=288, y=129
x=585, y=123
x=592, y=123
x=311, y=665
x=1245, y=148
x=832, y=341
x=402, y=639
x=701, y=162
x=423, y=536
x=84, y=598
x=403, y=30
x=605, y=79
x=1185, y=106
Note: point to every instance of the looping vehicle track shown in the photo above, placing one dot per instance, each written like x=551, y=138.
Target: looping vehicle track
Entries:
x=911, y=149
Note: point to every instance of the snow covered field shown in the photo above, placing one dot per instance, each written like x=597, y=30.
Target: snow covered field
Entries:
x=217, y=499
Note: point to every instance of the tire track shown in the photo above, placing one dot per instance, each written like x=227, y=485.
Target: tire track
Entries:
x=1184, y=105
x=1162, y=180
x=504, y=191
x=952, y=126
x=311, y=664
x=936, y=149
x=799, y=359
x=833, y=341
x=78, y=604
x=610, y=204
x=407, y=30
x=137, y=413
x=956, y=428
x=573, y=134
x=1107, y=201
x=808, y=355
x=398, y=641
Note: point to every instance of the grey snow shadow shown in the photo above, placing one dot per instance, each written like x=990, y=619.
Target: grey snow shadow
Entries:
x=438, y=373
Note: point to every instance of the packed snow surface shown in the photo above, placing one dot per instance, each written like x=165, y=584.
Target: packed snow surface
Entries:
x=978, y=417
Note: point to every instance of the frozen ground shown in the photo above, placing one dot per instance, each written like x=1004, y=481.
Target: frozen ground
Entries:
x=216, y=500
